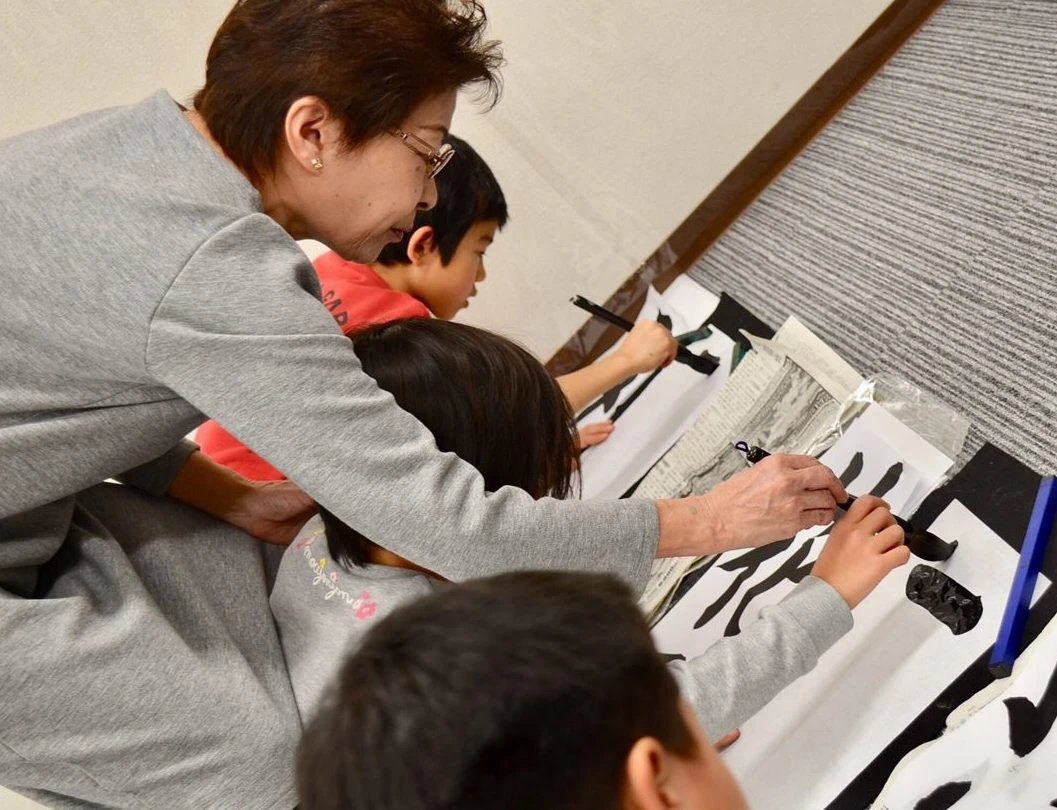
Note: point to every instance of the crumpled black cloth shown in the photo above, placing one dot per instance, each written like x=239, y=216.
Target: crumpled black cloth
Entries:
x=947, y=600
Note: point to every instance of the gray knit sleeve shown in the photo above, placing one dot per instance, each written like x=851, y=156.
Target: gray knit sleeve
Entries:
x=242, y=336
x=736, y=677
x=157, y=475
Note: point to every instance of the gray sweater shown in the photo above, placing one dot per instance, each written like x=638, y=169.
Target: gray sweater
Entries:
x=143, y=289
x=323, y=612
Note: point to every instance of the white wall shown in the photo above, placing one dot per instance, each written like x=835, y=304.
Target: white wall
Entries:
x=59, y=58
x=618, y=116
x=12, y=801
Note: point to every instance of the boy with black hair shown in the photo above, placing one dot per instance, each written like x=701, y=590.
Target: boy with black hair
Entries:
x=439, y=263
x=524, y=691
x=434, y=269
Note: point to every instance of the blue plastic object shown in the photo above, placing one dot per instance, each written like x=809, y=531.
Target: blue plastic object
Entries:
x=1032, y=553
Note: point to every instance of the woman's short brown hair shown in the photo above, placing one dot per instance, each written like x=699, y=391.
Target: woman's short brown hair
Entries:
x=371, y=61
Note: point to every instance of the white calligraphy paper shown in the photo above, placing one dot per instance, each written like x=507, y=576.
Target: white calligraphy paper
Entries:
x=666, y=407
x=804, y=747
x=975, y=763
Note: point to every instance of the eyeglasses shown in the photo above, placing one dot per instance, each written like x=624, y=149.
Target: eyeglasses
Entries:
x=435, y=159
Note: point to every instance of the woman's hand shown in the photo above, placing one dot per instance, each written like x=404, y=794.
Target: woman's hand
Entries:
x=864, y=546
x=770, y=501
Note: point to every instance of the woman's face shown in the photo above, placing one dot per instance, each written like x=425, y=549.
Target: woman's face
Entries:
x=360, y=201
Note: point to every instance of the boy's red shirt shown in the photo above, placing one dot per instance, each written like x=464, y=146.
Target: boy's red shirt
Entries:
x=357, y=297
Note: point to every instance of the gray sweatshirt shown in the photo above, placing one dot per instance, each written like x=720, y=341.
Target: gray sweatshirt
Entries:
x=323, y=612
x=146, y=673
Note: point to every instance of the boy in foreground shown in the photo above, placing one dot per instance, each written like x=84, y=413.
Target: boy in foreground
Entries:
x=526, y=690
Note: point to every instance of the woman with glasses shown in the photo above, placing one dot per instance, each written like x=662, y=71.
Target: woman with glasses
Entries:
x=151, y=279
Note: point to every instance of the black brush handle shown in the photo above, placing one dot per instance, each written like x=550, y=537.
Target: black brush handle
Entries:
x=903, y=523
x=705, y=363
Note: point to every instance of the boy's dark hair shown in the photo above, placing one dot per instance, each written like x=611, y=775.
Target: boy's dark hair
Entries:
x=526, y=690
x=372, y=61
x=467, y=193
x=482, y=396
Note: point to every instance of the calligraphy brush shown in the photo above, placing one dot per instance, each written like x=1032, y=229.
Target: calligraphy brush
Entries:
x=921, y=543
x=704, y=363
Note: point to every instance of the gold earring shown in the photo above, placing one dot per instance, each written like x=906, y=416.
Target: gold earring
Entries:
x=317, y=164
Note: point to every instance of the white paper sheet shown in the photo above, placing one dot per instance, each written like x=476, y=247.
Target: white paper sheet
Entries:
x=882, y=470
x=803, y=748
x=976, y=749
x=930, y=464
x=666, y=408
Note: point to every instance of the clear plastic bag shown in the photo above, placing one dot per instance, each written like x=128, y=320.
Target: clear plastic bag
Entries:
x=935, y=421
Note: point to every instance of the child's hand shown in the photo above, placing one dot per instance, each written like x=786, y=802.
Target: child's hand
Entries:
x=595, y=433
x=648, y=346
x=863, y=547
x=727, y=740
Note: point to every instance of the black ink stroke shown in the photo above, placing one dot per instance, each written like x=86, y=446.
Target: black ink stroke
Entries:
x=627, y=403
x=751, y=562
x=790, y=569
x=609, y=399
x=1029, y=724
x=888, y=480
x=853, y=470
x=944, y=797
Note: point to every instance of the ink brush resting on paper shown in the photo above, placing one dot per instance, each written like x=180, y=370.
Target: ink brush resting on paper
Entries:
x=705, y=363
x=921, y=543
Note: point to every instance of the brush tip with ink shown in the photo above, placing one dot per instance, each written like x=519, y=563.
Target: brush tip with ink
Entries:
x=925, y=544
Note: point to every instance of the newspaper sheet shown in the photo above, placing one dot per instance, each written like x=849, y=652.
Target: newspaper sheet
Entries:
x=786, y=396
